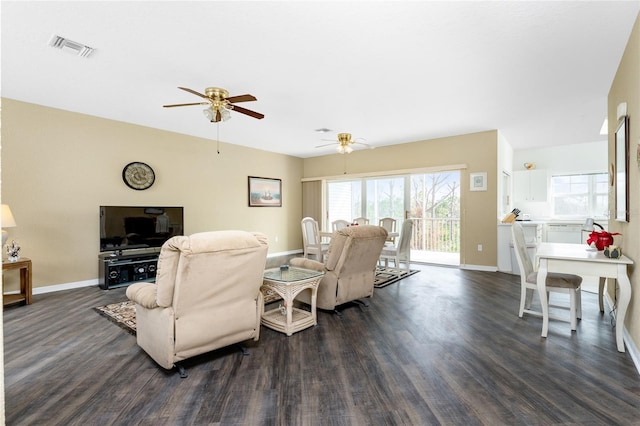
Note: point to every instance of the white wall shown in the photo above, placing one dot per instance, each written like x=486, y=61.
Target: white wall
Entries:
x=505, y=166
x=588, y=157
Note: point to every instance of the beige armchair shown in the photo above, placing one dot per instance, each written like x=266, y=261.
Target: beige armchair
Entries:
x=350, y=267
x=206, y=296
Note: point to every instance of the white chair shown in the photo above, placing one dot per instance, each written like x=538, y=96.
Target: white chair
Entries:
x=401, y=252
x=559, y=283
x=337, y=225
x=389, y=224
x=311, y=240
x=361, y=221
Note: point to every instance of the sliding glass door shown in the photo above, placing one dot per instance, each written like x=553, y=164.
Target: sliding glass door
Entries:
x=435, y=210
x=385, y=197
x=432, y=200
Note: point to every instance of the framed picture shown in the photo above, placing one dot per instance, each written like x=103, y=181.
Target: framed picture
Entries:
x=622, y=170
x=265, y=192
x=478, y=181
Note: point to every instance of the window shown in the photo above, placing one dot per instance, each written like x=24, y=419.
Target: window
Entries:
x=583, y=195
x=385, y=198
x=345, y=200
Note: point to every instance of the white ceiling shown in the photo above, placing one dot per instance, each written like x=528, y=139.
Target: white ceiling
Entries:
x=387, y=71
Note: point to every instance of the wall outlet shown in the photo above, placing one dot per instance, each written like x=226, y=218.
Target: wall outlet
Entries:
x=479, y=247
x=276, y=238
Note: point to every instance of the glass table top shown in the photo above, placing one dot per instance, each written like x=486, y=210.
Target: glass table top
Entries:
x=291, y=274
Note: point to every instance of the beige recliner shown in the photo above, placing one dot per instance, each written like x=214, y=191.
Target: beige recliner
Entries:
x=206, y=296
x=350, y=267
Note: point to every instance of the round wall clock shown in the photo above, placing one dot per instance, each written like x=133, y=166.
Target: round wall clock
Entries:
x=138, y=175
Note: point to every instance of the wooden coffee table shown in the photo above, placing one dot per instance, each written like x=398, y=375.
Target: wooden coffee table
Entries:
x=289, y=284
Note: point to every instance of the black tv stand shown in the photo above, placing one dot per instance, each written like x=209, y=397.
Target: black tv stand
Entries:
x=122, y=268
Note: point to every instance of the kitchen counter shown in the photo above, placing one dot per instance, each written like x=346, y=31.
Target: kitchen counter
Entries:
x=537, y=231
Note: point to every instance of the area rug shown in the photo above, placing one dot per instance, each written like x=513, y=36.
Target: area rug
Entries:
x=386, y=276
x=122, y=314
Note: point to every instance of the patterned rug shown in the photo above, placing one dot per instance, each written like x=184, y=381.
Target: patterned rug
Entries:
x=123, y=314
x=386, y=276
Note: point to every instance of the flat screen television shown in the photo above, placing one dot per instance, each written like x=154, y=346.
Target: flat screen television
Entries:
x=133, y=227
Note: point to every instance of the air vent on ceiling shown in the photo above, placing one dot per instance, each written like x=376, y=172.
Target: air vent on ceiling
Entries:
x=70, y=46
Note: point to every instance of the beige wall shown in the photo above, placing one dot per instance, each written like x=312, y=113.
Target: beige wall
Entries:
x=479, y=151
x=626, y=88
x=58, y=167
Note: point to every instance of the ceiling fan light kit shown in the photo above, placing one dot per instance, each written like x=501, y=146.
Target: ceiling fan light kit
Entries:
x=344, y=149
x=344, y=143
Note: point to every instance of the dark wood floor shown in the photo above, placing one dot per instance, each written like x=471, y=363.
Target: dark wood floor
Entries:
x=444, y=346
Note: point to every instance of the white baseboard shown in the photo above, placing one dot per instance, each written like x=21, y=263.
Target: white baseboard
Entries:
x=67, y=286
x=630, y=345
x=480, y=268
x=284, y=253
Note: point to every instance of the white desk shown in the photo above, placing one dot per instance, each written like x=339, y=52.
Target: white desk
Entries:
x=575, y=259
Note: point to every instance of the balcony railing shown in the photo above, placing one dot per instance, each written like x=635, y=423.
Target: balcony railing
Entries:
x=436, y=234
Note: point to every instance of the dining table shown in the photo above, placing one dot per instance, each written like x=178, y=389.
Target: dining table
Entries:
x=580, y=259
x=328, y=234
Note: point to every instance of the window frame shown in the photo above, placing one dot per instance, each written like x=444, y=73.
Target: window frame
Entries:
x=594, y=178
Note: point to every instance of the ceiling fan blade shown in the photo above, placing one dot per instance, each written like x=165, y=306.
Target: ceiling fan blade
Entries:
x=241, y=98
x=326, y=144
x=369, y=146
x=218, y=117
x=194, y=92
x=181, y=105
x=248, y=112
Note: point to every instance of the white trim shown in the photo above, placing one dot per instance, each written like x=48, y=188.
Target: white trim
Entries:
x=67, y=286
x=479, y=268
x=284, y=253
x=631, y=346
x=390, y=173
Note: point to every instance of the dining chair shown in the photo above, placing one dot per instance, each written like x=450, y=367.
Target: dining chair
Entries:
x=402, y=251
x=556, y=282
x=361, y=221
x=336, y=225
x=311, y=240
x=389, y=224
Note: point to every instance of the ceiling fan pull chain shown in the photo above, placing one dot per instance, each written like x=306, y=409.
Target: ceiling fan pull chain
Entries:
x=218, y=136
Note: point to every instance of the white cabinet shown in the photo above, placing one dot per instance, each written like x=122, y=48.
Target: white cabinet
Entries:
x=506, y=256
x=530, y=185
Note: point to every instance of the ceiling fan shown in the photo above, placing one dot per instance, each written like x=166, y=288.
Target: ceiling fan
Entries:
x=344, y=143
x=220, y=103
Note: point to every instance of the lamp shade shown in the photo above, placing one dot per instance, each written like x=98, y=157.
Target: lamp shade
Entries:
x=7, y=217
x=589, y=224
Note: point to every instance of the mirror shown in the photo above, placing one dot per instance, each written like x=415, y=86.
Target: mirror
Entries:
x=622, y=167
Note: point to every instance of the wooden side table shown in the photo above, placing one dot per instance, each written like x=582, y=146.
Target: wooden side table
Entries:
x=24, y=265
